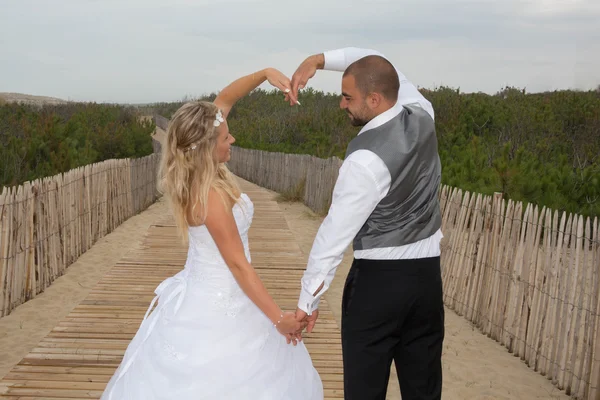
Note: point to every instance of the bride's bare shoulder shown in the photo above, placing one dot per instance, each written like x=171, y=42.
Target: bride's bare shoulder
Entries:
x=217, y=202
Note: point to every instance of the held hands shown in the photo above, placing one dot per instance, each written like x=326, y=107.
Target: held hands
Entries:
x=290, y=327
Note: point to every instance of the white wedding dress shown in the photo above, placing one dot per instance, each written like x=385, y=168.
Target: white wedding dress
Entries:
x=207, y=340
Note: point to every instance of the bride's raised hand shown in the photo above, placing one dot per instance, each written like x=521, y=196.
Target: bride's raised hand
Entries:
x=283, y=83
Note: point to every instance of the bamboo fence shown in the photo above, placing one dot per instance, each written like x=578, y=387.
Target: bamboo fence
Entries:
x=45, y=225
x=523, y=275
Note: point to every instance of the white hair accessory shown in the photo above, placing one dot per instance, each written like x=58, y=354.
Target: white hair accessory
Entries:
x=218, y=118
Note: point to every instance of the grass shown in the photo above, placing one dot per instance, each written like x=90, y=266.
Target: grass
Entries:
x=293, y=194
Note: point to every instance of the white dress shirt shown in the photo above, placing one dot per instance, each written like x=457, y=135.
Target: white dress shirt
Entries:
x=363, y=181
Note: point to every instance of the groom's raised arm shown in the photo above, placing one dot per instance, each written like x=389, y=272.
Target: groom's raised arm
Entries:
x=340, y=59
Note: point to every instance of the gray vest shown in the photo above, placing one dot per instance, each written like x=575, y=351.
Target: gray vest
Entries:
x=410, y=211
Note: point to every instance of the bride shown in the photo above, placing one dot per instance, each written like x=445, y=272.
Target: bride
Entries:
x=215, y=333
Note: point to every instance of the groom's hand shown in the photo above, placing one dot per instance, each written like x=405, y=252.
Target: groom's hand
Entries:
x=310, y=319
x=305, y=71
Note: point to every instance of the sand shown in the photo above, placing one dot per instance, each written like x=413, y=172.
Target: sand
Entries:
x=475, y=367
x=30, y=99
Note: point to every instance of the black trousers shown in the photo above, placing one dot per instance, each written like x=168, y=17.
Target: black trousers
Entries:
x=393, y=310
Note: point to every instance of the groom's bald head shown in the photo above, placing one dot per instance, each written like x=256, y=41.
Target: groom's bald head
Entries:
x=375, y=74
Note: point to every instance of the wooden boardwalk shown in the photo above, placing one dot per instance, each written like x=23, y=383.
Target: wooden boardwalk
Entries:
x=77, y=358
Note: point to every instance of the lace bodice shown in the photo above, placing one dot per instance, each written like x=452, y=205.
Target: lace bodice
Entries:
x=203, y=251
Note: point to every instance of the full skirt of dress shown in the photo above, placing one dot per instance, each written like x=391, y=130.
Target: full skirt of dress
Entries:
x=205, y=344
x=206, y=340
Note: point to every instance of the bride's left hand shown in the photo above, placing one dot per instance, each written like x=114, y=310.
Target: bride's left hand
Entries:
x=290, y=328
x=283, y=83
x=294, y=338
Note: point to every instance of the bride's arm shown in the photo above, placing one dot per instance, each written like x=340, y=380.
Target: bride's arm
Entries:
x=244, y=85
x=224, y=231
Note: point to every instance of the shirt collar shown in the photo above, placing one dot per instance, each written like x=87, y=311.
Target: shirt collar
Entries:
x=382, y=118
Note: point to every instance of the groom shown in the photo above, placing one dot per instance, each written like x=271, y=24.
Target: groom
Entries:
x=385, y=202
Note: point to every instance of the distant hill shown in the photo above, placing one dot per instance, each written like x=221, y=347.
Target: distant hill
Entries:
x=30, y=99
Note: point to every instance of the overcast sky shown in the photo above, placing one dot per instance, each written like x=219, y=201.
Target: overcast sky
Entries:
x=162, y=50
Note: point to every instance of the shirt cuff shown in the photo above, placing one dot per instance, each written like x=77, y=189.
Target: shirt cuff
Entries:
x=335, y=60
x=307, y=302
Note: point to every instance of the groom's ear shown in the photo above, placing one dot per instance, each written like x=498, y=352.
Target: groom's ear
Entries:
x=374, y=100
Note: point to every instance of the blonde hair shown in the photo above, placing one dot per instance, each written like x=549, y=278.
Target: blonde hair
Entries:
x=189, y=168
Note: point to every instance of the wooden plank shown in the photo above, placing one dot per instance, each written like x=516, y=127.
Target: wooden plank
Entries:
x=78, y=357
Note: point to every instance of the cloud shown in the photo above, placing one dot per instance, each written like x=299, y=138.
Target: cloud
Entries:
x=154, y=50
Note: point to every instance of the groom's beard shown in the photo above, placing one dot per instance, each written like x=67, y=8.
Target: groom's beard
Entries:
x=360, y=116
x=356, y=120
